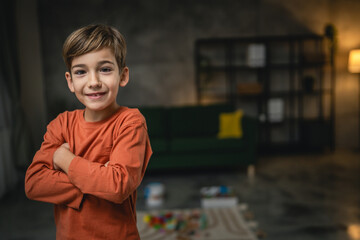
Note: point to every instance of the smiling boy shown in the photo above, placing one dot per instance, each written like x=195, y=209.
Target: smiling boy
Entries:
x=92, y=160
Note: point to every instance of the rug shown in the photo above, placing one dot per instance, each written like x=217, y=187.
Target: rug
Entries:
x=221, y=224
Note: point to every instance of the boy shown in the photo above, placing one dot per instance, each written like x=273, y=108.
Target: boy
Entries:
x=92, y=160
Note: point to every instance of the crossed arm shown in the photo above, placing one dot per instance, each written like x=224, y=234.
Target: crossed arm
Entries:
x=63, y=157
x=58, y=176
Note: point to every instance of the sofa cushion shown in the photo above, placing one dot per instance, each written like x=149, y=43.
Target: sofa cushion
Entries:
x=196, y=121
x=156, y=120
x=203, y=160
x=198, y=144
x=230, y=125
x=159, y=144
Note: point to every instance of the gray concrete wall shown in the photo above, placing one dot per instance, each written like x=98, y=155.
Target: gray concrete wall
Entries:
x=161, y=36
x=31, y=71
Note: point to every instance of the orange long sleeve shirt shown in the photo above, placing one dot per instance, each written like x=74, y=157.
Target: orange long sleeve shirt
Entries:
x=92, y=201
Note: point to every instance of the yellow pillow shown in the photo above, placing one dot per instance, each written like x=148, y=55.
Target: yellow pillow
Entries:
x=230, y=125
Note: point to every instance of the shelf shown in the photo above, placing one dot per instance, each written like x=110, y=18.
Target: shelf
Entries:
x=258, y=39
x=287, y=94
x=283, y=66
x=286, y=120
x=227, y=68
x=279, y=66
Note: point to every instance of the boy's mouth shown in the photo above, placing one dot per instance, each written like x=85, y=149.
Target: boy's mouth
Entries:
x=95, y=95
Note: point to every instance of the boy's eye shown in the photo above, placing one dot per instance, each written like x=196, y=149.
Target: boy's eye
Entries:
x=105, y=69
x=79, y=72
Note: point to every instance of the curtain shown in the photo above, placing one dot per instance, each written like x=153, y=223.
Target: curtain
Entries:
x=14, y=138
x=8, y=173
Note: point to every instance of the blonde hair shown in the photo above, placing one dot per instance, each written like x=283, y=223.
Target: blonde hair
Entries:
x=91, y=38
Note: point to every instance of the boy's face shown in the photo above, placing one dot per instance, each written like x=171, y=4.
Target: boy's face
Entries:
x=95, y=79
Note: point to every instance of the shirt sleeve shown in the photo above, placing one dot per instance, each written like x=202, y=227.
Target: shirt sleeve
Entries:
x=42, y=182
x=128, y=160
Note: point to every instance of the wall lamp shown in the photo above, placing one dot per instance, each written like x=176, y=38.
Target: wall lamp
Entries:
x=354, y=67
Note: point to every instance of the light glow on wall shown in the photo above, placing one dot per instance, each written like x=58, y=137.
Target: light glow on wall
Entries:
x=354, y=61
x=354, y=231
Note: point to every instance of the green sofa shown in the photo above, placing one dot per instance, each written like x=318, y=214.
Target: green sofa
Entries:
x=183, y=137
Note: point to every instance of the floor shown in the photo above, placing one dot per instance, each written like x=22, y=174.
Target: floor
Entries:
x=303, y=197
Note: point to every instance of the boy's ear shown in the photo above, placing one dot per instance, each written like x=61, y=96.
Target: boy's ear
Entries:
x=69, y=81
x=124, y=78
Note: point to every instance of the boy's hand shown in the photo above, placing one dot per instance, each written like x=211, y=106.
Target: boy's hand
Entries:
x=63, y=157
x=66, y=145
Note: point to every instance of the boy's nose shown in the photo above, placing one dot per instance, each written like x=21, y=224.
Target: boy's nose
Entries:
x=94, y=81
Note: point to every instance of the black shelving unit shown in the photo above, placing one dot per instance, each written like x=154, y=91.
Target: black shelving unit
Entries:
x=284, y=82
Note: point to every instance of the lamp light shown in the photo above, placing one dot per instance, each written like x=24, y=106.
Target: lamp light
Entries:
x=354, y=61
x=354, y=67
